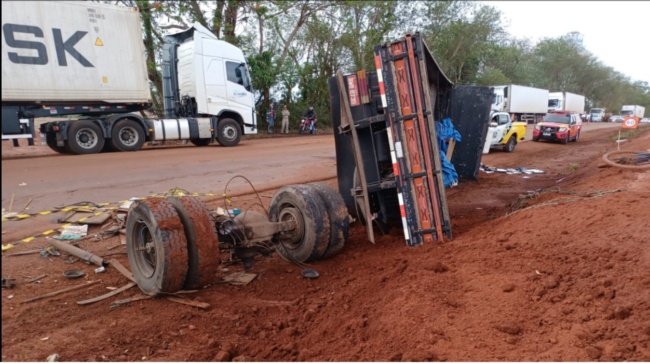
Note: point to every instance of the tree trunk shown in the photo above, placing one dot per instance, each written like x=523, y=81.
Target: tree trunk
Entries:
x=217, y=19
x=230, y=23
x=149, y=45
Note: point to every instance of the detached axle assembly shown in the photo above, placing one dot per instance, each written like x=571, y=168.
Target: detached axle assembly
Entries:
x=174, y=243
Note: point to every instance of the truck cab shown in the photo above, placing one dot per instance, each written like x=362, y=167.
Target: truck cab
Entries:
x=504, y=131
x=596, y=114
x=559, y=126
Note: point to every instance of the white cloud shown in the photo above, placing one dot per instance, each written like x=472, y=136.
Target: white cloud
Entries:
x=616, y=32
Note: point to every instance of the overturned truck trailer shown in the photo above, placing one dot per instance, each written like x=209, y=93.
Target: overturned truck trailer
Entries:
x=388, y=158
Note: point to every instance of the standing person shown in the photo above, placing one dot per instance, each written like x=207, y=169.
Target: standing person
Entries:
x=270, y=118
x=285, y=120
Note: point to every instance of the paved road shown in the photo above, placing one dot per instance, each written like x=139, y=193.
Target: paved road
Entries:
x=57, y=180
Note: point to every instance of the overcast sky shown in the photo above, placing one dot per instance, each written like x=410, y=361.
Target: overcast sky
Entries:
x=616, y=32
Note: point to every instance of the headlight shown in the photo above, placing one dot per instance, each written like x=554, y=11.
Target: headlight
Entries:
x=537, y=127
x=562, y=129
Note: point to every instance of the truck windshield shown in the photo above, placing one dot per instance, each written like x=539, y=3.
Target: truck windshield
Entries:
x=557, y=118
x=553, y=103
x=626, y=113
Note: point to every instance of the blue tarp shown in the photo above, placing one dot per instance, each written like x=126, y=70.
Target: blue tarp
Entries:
x=445, y=130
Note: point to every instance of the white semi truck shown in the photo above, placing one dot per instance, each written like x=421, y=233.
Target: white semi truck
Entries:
x=633, y=110
x=84, y=62
x=528, y=104
x=566, y=101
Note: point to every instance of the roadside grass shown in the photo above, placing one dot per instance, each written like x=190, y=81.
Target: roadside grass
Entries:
x=573, y=167
x=625, y=135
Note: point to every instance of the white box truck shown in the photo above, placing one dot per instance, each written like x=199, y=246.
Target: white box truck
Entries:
x=566, y=101
x=633, y=110
x=528, y=104
x=597, y=114
x=85, y=61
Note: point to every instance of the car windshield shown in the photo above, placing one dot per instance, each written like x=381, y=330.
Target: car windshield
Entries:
x=558, y=118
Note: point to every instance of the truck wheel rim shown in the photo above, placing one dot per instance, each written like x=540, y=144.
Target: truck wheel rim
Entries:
x=86, y=138
x=146, y=250
x=292, y=239
x=230, y=133
x=128, y=136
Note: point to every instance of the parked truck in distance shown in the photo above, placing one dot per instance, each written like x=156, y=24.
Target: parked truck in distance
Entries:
x=597, y=114
x=85, y=62
x=633, y=110
x=528, y=104
x=566, y=101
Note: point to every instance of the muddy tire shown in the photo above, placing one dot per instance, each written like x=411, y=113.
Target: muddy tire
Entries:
x=536, y=139
x=228, y=132
x=127, y=135
x=156, y=246
x=50, y=140
x=310, y=239
x=202, y=242
x=565, y=141
x=201, y=142
x=85, y=137
x=575, y=139
x=510, y=146
x=338, y=216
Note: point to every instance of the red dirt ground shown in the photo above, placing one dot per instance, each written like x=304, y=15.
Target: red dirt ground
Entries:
x=566, y=278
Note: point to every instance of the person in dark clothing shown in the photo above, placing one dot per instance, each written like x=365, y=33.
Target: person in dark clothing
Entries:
x=310, y=113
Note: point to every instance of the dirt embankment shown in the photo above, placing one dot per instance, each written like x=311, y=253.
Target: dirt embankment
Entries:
x=562, y=277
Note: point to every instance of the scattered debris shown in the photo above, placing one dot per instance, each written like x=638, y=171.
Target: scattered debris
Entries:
x=40, y=297
x=118, y=303
x=73, y=232
x=28, y=252
x=310, y=273
x=100, y=269
x=8, y=283
x=78, y=252
x=26, y=205
x=36, y=279
x=107, y=295
x=240, y=278
x=510, y=171
x=123, y=270
x=196, y=304
x=22, y=184
x=73, y=274
x=53, y=358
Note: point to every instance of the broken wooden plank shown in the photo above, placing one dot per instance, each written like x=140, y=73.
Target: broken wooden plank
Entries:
x=123, y=270
x=107, y=295
x=131, y=299
x=193, y=303
x=240, y=278
x=36, y=279
x=23, y=253
x=54, y=293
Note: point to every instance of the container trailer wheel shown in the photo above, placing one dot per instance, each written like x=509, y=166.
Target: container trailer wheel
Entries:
x=201, y=142
x=303, y=205
x=228, y=132
x=127, y=135
x=156, y=246
x=50, y=140
x=85, y=137
x=202, y=242
x=338, y=216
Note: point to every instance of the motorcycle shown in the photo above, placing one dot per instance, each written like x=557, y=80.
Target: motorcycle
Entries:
x=307, y=124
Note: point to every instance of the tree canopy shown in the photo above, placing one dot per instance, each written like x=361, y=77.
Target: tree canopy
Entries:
x=294, y=46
